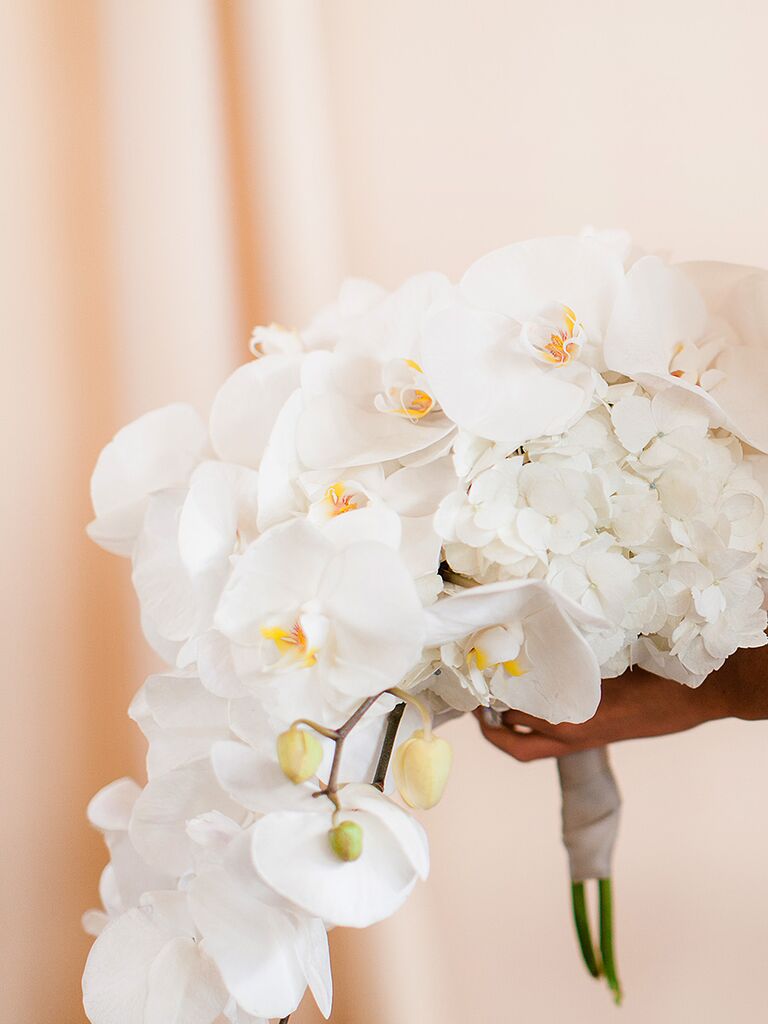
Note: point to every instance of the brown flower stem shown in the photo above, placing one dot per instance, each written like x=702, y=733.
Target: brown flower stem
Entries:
x=330, y=734
x=388, y=745
x=338, y=737
x=421, y=707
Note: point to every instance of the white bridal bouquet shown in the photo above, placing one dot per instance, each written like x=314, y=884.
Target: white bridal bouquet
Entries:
x=490, y=494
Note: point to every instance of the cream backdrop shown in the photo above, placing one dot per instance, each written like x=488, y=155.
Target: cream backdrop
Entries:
x=174, y=170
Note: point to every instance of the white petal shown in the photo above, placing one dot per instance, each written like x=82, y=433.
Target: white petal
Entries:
x=279, y=498
x=487, y=385
x=184, y=986
x=111, y=807
x=219, y=496
x=254, y=945
x=656, y=309
x=634, y=422
x=521, y=279
x=156, y=451
x=456, y=617
x=255, y=779
x=312, y=950
x=278, y=572
x=160, y=815
x=379, y=630
x=246, y=407
x=409, y=834
x=333, y=430
x=170, y=600
x=564, y=682
x=292, y=854
x=115, y=982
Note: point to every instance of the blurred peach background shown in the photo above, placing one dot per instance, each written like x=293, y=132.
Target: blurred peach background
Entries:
x=174, y=171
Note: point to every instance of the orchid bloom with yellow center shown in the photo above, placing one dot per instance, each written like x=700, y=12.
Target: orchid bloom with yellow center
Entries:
x=478, y=657
x=495, y=652
x=555, y=336
x=292, y=644
x=338, y=500
x=405, y=391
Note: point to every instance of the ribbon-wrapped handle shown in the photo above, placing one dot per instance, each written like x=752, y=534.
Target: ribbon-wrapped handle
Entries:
x=590, y=812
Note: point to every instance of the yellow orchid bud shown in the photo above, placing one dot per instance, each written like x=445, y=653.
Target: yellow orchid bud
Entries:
x=421, y=768
x=299, y=754
x=346, y=840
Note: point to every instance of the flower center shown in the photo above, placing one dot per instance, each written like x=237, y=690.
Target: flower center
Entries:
x=405, y=391
x=480, y=659
x=555, y=336
x=339, y=501
x=292, y=644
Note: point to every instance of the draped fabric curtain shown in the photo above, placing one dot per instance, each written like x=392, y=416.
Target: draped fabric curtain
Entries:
x=174, y=171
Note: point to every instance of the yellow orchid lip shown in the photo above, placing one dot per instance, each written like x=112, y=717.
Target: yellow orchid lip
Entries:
x=480, y=658
x=560, y=350
x=340, y=500
x=417, y=407
x=291, y=641
x=554, y=344
x=404, y=393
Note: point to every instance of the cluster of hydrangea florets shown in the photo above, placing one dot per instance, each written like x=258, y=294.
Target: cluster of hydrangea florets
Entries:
x=496, y=494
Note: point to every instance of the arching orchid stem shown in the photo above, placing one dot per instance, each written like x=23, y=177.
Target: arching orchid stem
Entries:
x=338, y=736
x=331, y=734
x=583, y=931
x=426, y=714
x=606, y=938
x=388, y=745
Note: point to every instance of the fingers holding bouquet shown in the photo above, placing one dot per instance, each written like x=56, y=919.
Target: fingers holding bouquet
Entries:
x=638, y=705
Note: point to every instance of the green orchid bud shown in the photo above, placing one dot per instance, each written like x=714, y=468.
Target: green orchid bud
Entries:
x=346, y=840
x=299, y=754
x=421, y=768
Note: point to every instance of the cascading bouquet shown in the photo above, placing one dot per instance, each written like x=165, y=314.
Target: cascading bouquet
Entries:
x=428, y=501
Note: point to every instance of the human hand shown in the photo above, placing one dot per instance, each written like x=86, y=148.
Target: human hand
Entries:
x=639, y=704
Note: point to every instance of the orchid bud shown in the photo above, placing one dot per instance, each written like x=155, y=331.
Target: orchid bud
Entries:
x=346, y=840
x=299, y=754
x=421, y=768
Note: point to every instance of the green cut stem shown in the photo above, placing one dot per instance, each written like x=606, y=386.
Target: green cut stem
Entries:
x=583, y=931
x=606, y=938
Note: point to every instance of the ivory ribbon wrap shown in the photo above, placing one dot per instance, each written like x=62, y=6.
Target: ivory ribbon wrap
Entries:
x=591, y=805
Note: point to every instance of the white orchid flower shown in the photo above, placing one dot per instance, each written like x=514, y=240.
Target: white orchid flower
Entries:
x=267, y=951
x=292, y=854
x=536, y=659
x=246, y=406
x=398, y=506
x=510, y=357
x=357, y=410
x=180, y=719
x=158, y=826
x=699, y=327
x=156, y=452
x=318, y=620
x=149, y=967
x=127, y=876
x=182, y=557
